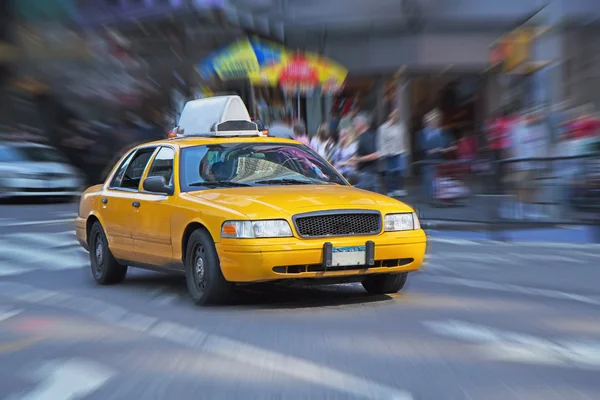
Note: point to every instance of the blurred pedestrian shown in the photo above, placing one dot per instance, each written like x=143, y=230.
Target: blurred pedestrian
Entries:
x=392, y=148
x=321, y=142
x=345, y=151
x=434, y=144
x=367, y=157
x=300, y=133
x=335, y=121
x=528, y=142
x=347, y=121
x=282, y=128
x=498, y=131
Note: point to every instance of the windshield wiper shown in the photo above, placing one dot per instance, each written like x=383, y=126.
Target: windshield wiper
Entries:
x=219, y=183
x=283, y=182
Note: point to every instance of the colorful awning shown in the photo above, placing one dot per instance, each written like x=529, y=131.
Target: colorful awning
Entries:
x=270, y=64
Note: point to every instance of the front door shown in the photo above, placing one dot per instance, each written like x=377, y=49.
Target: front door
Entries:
x=116, y=203
x=152, y=218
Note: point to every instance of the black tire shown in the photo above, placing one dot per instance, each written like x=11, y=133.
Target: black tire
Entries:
x=385, y=283
x=205, y=281
x=105, y=269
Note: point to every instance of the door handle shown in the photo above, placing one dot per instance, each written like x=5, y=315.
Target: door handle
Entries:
x=136, y=204
x=104, y=200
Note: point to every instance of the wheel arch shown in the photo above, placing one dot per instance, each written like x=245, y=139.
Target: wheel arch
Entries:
x=187, y=233
x=89, y=222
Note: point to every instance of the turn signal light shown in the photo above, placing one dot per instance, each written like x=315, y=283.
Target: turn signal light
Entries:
x=229, y=229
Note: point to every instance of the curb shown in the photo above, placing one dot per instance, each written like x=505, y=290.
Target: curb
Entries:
x=479, y=242
x=440, y=225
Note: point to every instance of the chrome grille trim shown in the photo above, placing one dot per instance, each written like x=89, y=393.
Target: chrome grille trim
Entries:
x=351, y=219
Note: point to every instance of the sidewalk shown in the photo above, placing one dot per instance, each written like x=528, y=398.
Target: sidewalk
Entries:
x=576, y=235
x=474, y=219
x=480, y=210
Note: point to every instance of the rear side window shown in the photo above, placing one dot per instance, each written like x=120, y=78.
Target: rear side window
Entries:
x=130, y=172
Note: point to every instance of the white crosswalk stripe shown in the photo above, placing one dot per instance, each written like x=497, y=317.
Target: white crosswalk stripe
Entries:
x=22, y=253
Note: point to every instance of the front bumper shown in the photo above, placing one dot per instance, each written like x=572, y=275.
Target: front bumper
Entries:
x=291, y=258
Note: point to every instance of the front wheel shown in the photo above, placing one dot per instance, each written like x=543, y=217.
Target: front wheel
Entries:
x=205, y=281
x=105, y=269
x=385, y=283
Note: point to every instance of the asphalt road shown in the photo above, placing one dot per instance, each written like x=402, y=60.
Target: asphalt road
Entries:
x=480, y=321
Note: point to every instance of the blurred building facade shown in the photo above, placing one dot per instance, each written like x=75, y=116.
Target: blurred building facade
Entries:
x=128, y=50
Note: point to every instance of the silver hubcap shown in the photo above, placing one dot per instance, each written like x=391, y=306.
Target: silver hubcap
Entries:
x=199, y=268
x=99, y=254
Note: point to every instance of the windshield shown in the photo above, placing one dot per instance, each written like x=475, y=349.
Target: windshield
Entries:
x=31, y=153
x=253, y=164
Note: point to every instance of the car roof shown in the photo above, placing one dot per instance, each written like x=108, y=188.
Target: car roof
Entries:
x=192, y=141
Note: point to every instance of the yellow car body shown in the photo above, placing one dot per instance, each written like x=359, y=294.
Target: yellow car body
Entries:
x=151, y=230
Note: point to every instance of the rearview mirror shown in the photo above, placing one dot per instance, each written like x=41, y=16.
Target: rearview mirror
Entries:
x=157, y=184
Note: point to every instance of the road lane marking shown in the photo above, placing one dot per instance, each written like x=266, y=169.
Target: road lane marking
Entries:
x=69, y=380
x=517, y=347
x=307, y=371
x=37, y=223
x=189, y=337
x=48, y=240
x=18, y=345
x=460, y=242
x=4, y=315
x=9, y=269
x=41, y=258
x=479, y=242
x=548, y=293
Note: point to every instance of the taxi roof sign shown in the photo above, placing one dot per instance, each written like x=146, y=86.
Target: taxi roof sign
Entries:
x=216, y=116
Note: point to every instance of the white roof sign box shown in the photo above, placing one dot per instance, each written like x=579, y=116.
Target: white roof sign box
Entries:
x=200, y=117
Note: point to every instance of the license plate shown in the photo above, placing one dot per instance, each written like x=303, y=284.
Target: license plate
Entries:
x=348, y=256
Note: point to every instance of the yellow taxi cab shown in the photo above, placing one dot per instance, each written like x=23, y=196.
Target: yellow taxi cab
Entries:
x=225, y=205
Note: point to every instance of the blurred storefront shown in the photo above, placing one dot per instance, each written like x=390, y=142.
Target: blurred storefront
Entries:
x=512, y=70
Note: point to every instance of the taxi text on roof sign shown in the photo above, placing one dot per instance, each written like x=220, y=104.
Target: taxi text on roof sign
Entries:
x=217, y=116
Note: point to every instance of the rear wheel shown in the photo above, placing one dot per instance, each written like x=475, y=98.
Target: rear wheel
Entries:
x=205, y=281
x=105, y=269
x=385, y=283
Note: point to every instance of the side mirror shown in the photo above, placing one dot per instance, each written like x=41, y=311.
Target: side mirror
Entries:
x=157, y=184
x=213, y=128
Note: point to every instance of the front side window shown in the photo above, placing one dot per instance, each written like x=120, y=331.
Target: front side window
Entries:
x=131, y=170
x=162, y=165
x=253, y=164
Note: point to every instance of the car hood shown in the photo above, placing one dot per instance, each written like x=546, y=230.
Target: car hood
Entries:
x=285, y=201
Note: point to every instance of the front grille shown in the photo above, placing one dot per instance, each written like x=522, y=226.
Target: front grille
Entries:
x=344, y=223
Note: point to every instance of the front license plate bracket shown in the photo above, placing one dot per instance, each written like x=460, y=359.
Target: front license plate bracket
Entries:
x=349, y=256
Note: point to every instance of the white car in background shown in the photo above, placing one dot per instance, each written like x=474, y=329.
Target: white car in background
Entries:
x=30, y=169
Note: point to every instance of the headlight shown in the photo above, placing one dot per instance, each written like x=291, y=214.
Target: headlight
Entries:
x=402, y=222
x=256, y=229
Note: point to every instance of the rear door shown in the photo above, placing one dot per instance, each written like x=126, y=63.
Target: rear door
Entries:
x=116, y=205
